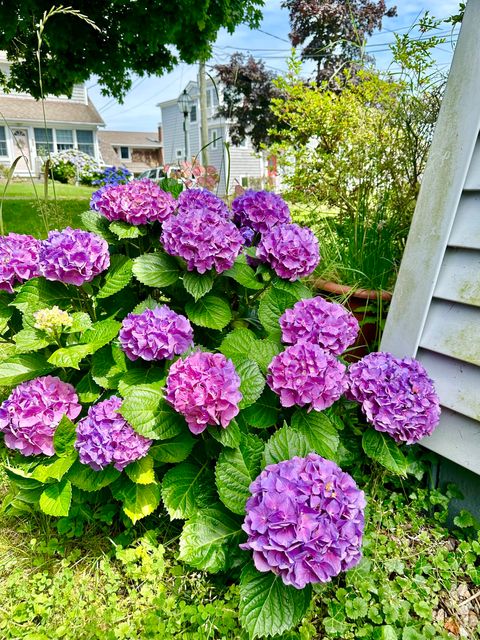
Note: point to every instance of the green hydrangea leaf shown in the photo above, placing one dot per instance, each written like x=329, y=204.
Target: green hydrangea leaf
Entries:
x=229, y=437
x=148, y=413
x=187, y=488
x=385, y=451
x=87, y=390
x=95, y=222
x=71, y=356
x=152, y=377
x=87, y=479
x=268, y=607
x=80, y=322
x=106, y=371
x=5, y=310
x=265, y=412
x=54, y=469
x=117, y=277
x=284, y=444
x=19, y=368
x=264, y=352
x=156, y=270
x=319, y=431
x=175, y=449
x=28, y=340
x=207, y=539
x=64, y=437
x=210, y=311
x=123, y=230
x=242, y=273
x=148, y=303
x=198, y=284
x=101, y=333
x=252, y=381
x=39, y=293
x=297, y=288
x=141, y=471
x=139, y=500
x=240, y=342
x=56, y=498
x=272, y=306
x=235, y=471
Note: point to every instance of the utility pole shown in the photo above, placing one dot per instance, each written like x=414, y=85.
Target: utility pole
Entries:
x=203, y=113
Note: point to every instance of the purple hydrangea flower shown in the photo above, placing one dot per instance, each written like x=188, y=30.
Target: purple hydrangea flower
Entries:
x=396, y=396
x=204, y=388
x=315, y=320
x=204, y=239
x=304, y=520
x=192, y=200
x=30, y=415
x=290, y=250
x=260, y=210
x=73, y=256
x=136, y=202
x=155, y=334
x=19, y=256
x=307, y=376
x=105, y=437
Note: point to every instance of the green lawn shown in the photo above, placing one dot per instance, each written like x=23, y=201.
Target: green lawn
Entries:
x=29, y=189
x=26, y=211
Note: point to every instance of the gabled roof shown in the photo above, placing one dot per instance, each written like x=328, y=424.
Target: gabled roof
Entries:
x=138, y=139
x=13, y=109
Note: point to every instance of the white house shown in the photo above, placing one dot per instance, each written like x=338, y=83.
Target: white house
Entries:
x=237, y=165
x=29, y=128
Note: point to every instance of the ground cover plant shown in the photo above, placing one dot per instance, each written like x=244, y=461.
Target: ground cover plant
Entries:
x=173, y=357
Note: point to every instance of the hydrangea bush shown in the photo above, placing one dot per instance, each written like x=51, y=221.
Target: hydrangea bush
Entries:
x=72, y=165
x=171, y=357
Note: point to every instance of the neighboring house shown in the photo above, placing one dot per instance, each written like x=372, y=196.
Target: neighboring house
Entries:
x=29, y=128
x=138, y=151
x=242, y=164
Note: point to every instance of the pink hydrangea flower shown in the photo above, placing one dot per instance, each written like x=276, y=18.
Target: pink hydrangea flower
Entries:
x=290, y=250
x=73, y=256
x=30, y=415
x=396, y=396
x=104, y=437
x=194, y=199
x=315, y=320
x=307, y=376
x=204, y=239
x=136, y=202
x=304, y=520
x=260, y=210
x=205, y=389
x=155, y=334
x=19, y=255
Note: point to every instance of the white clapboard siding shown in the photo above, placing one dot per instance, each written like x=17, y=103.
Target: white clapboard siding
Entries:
x=435, y=310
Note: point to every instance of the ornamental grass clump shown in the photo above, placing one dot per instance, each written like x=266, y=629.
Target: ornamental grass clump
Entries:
x=169, y=361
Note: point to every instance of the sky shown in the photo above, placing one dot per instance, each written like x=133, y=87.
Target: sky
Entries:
x=270, y=43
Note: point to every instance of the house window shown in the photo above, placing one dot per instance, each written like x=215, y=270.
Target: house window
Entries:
x=85, y=142
x=244, y=181
x=179, y=153
x=64, y=139
x=125, y=153
x=212, y=97
x=3, y=142
x=215, y=137
x=193, y=113
x=43, y=141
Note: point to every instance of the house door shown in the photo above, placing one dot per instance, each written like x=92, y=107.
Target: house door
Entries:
x=22, y=148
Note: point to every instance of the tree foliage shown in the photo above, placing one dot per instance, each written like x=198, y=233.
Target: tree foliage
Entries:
x=333, y=31
x=131, y=37
x=248, y=91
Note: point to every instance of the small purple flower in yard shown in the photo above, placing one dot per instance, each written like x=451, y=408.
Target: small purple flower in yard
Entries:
x=73, y=256
x=304, y=520
x=204, y=388
x=315, y=320
x=30, y=415
x=396, y=396
x=137, y=202
x=290, y=250
x=260, y=210
x=155, y=334
x=194, y=199
x=307, y=376
x=105, y=437
x=202, y=238
x=18, y=259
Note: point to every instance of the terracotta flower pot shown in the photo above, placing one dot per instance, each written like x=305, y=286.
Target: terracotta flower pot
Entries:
x=357, y=302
